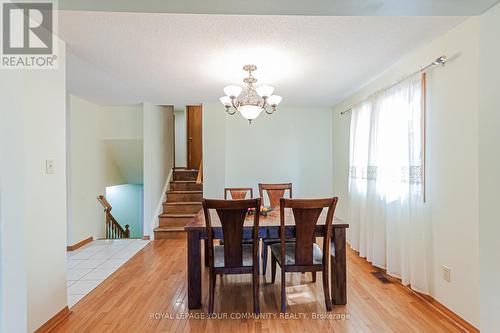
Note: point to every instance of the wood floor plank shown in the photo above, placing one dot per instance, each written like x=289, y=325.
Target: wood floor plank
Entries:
x=149, y=294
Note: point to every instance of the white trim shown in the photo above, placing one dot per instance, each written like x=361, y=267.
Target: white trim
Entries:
x=159, y=208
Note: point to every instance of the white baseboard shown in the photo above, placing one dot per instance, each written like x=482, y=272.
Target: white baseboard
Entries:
x=159, y=208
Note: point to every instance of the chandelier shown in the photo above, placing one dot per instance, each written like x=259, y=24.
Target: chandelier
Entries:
x=254, y=100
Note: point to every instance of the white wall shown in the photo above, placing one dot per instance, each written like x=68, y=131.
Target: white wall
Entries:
x=158, y=159
x=292, y=145
x=214, y=150
x=92, y=166
x=340, y=160
x=452, y=161
x=489, y=166
x=180, y=138
x=32, y=211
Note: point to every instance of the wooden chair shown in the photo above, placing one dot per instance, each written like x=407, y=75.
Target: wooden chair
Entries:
x=274, y=193
x=304, y=255
x=233, y=257
x=238, y=193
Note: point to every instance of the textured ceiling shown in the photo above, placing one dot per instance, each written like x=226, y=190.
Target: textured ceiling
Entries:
x=287, y=7
x=123, y=58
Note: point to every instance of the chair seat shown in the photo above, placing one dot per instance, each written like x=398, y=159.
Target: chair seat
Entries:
x=219, y=255
x=290, y=253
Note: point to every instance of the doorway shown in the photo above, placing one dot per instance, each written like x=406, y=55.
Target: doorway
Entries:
x=194, y=136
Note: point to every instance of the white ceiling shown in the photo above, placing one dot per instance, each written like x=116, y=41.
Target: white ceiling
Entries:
x=287, y=7
x=124, y=58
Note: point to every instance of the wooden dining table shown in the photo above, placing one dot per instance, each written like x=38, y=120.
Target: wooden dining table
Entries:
x=268, y=227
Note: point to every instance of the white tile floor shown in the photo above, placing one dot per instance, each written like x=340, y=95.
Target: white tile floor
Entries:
x=90, y=265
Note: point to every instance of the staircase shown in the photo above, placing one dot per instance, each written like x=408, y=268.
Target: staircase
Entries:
x=182, y=204
x=113, y=229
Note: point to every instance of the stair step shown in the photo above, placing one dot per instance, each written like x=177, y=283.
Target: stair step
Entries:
x=175, y=220
x=170, y=233
x=184, y=203
x=185, y=185
x=184, y=196
x=180, y=216
x=188, y=207
x=181, y=174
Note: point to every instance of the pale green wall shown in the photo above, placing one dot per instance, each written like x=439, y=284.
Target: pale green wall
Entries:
x=126, y=201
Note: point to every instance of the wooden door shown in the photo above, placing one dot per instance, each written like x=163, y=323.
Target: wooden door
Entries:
x=194, y=139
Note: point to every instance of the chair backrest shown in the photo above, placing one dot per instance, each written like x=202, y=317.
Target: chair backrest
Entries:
x=238, y=193
x=232, y=214
x=275, y=192
x=306, y=213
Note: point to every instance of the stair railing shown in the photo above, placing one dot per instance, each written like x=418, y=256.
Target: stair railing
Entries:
x=113, y=229
x=199, y=178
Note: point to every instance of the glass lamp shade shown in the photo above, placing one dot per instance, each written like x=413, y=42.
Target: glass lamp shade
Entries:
x=250, y=112
x=264, y=91
x=274, y=100
x=226, y=100
x=232, y=91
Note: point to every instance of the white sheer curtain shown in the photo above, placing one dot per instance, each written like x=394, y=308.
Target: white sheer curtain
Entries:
x=388, y=223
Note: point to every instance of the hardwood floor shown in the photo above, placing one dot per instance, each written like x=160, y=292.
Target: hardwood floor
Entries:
x=148, y=294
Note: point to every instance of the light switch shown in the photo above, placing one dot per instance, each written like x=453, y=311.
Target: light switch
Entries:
x=50, y=167
x=446, y=273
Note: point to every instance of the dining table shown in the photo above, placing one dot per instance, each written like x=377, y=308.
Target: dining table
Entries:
x=269, y=226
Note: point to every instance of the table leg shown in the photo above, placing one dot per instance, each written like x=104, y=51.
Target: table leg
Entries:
x=338, y=268
x=194, y=270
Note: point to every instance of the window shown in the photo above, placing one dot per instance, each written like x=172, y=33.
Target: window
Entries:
x=387, y=213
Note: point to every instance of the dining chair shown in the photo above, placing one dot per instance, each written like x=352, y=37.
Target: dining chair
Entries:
x=274, y=193
x=234, y=257
x=238, y=193
x=304, y=255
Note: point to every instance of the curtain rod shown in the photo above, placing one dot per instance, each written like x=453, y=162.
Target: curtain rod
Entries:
x=439, y=61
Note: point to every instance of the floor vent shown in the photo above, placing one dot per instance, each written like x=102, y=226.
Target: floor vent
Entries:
x=381, y=277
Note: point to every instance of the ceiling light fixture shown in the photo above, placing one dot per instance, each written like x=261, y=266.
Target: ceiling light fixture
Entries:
x=255, y=100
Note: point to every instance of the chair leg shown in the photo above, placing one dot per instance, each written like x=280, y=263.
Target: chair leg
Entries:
x=326, y=290
x=273, y=268
x=314, y=276
x=206, y=252
x=211, y=292
x=259, y=259
x=256, y=308
x=283, y=289
x=264, y=257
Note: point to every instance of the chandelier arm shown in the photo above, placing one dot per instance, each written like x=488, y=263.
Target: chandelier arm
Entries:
x=229, y=112
x=234, y=106
x=264, y=104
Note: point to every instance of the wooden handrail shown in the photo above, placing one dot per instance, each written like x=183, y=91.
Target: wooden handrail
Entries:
x=199, y=178
x=113, y=229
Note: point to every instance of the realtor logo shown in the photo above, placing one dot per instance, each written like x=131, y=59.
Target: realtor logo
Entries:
x=27, y=35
